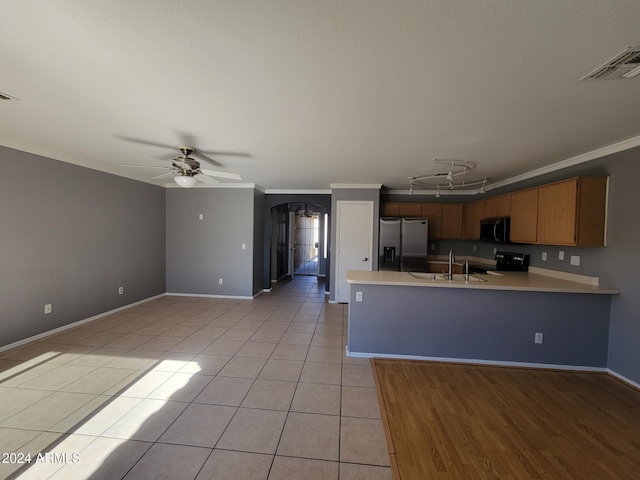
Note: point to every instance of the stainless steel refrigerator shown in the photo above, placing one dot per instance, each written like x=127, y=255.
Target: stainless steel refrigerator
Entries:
x=403, y=244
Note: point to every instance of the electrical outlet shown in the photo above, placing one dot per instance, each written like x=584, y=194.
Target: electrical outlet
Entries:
x=575, y=260
x=244, y=246
x=561, y=255
x=201, y=216
x=538, y=338
x=120, y=290
x=544, y=256
x=495, y=250
x=47, y=308
x=475, y=248
x=219, y=281
x=433, y=246
x=358, y=296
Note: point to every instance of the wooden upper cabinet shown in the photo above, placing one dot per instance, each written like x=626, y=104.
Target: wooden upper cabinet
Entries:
x=524, y=216
x=570, y=212
x=390, y=210
x=452, y=221
x=490, y=207
x=503, y=205
x=410, y=210
x=468, y=221
x=557, y=206
x=573, y=212
x=433, y=213
x=478, y=214
x=497, y=206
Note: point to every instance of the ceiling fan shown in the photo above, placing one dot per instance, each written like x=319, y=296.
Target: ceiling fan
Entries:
x=187, y=172
x=185, y=169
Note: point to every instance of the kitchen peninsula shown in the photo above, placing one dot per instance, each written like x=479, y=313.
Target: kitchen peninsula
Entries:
x=489, y=319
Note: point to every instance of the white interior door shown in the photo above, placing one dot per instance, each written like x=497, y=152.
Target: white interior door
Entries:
x=354, y=236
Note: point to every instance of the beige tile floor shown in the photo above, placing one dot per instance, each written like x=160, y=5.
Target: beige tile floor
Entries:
x=196, y=388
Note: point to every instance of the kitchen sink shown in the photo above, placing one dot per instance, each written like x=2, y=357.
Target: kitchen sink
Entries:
x=457, y=277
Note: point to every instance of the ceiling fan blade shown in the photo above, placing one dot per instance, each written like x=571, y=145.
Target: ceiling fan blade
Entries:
x=145, y=166
x=145, y=142
x=202, y=156
x=205, y=179
x=166, y=175
x=215, y=173
x=226, y=154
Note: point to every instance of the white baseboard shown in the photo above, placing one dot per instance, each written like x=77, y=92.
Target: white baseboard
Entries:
x=48, y=333
x=206, y=295
x=473, y=361
x=623, y=379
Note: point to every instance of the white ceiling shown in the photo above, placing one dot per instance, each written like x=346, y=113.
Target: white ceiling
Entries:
x=318, y=92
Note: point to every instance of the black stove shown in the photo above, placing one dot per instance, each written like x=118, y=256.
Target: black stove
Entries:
x=512, y=262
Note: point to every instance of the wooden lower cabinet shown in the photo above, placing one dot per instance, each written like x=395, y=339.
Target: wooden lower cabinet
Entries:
x=443, y=267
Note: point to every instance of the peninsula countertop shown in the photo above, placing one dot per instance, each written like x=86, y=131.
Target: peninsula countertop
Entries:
x=517, y=281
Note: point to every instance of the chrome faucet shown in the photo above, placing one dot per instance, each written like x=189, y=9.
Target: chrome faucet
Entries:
x=452, y=258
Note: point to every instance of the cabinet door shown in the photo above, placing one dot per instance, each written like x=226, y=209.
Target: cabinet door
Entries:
x=503, y=206
x=433, y=213
x=390, y=210
x=490, y=207
x=410, y=210
x=468, y=221
x=452, y=221
x=478, y=214
x=557, y=204
x=524, y=216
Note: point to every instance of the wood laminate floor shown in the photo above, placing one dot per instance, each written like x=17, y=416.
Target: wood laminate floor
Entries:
x=450, y=421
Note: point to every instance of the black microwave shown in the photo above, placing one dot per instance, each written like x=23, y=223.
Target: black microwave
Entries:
x=495, y=230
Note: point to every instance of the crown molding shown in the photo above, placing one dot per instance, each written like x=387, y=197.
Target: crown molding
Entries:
x=369, y=186
x=293, y=191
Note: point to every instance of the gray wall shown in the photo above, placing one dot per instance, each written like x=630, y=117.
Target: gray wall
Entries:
x=616, y=264
x=475, y=324
x=353, y=194
x=199, y=252
x=71, y=236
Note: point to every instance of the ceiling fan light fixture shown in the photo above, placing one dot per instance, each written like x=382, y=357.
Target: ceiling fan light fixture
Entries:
x=185, y=181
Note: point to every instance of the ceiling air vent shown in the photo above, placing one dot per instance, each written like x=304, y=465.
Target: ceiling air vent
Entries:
x=624, y=65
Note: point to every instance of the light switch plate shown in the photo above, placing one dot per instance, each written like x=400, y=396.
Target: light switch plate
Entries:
x=544, y=256
x=575, y=260
x=561, y=255
x=358, y=296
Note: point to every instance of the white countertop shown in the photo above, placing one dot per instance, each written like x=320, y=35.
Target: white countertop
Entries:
x=520, y=281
